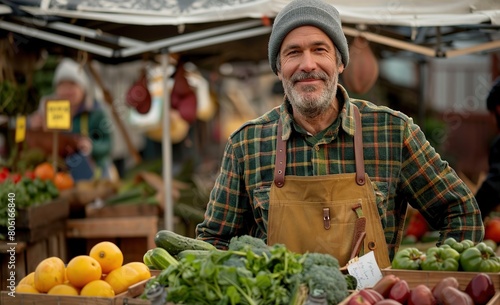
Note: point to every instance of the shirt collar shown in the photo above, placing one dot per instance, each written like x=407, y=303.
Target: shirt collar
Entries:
x=346, y=114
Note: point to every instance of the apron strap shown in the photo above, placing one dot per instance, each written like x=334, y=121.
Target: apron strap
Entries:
x=280, y=164
x=358, y=148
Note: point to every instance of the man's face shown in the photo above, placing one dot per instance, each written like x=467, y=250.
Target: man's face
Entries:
x=309, y=70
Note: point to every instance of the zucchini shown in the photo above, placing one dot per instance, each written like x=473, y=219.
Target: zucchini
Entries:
x=147, y=257
x=161, y=259
x=175, y=243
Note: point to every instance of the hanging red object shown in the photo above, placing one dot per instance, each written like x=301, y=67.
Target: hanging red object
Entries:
x=362, y=71
x=138, y=95
x=182, y=97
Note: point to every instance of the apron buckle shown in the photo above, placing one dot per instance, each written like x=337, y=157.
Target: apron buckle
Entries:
x=326, y=218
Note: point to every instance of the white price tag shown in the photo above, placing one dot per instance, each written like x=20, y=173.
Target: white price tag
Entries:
x=365, y=270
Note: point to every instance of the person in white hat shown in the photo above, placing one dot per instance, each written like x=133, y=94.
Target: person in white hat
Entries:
x=90, y=124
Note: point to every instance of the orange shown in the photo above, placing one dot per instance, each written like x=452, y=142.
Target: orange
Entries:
x=63, y=289
x=25, y=288
x=63, y=181
x=141, y=268
x=98, y=288
x=82, y=270
x=44, y=171
x=48, y=273
x=108, y=255
x=121, y=278
x=29, y=279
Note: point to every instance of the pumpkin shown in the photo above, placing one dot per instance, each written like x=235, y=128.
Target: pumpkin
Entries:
x=362, y=72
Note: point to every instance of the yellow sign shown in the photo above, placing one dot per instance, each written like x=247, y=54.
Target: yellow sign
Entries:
x=20, y=128
x=58, y=115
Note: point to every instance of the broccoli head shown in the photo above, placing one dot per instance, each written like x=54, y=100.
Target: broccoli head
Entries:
x=321, y=273
x=247, y=242
x=329, y=280
x=320, y=259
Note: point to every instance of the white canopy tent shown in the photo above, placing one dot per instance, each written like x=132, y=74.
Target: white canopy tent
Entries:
x=124, y=29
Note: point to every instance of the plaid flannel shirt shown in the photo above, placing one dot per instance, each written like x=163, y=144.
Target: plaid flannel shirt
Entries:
x=403, y=168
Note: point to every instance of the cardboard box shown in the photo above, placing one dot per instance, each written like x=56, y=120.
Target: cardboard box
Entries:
x=431, y=278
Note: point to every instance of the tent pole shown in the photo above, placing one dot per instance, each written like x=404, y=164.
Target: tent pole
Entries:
x=167, y=147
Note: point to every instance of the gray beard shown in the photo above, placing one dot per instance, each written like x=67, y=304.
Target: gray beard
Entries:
x=305, y=105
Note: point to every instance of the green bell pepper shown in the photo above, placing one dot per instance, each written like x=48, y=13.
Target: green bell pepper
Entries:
x=441, y=258
x=408, y=259
x=480, y=258
x=460, y=246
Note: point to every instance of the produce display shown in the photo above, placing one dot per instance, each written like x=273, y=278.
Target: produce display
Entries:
x=28, y=191
x=101, y=273
x=249, y=272
x=391, y=290
x=452, y=255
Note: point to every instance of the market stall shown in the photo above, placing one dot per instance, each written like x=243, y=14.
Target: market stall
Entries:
x=185, y=30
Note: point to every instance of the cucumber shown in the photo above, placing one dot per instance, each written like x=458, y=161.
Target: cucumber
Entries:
x=161, y=259
x=196, y=253
x=175, y=243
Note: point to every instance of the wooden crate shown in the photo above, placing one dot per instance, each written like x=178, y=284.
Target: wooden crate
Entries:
x=133, y=235
x=44, y=299
x=431, y=278
x=113, y=227
x=35, y=217
x=122, y=210
x=130, y=297
x=495, y=300
x=29, y=254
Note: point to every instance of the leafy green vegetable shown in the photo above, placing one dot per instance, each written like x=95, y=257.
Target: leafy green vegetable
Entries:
x=251, y=273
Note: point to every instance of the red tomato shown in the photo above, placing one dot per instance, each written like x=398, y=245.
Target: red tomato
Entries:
x=16, y=177
x=492, y=229
x=29, y=174
x=3, y=176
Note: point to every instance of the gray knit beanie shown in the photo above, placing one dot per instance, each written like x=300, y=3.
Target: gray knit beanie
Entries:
x=307, y=12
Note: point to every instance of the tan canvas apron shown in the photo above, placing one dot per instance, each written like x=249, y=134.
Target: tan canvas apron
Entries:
x=335, y=214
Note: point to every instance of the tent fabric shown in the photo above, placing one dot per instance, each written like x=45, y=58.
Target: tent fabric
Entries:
x=177, y=12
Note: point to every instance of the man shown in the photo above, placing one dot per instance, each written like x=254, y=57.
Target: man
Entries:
x=327, y=173
x=488, y=195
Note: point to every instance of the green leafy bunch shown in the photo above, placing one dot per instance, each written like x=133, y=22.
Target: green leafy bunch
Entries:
x=233, y=277
x=250, y=272
x=26, y=192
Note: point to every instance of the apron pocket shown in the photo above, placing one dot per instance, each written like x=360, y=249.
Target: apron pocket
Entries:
x=301, y=226
x=261, y=207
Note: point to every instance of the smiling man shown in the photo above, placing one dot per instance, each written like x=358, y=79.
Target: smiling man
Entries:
x=327, y=173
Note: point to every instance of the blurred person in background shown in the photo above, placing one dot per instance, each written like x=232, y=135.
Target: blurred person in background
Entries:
x=488, y=194
x=88, y=153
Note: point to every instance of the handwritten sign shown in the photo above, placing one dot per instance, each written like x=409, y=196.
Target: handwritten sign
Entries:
x=20, y=128
x=365, y=270
x=58, y=115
